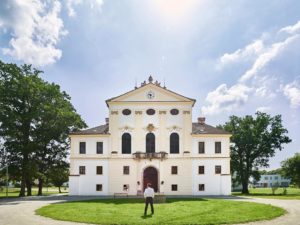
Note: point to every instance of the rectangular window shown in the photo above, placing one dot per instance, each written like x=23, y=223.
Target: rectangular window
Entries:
x=201, y=170
x=174, y=187
x=82, y=170
x=81, y=147
x=98, y=187
x=126, y=170
x=174, y=170
x=99, y=147
x=201, y=187
x=125, y=187
x=276, y=178
x=201, y=147
x=218, y=147
x=218, y=169
x=99, y=170
x=266, y=178
x=270, y=178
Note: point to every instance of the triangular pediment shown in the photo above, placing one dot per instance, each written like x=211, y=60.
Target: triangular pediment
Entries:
x=150, y=93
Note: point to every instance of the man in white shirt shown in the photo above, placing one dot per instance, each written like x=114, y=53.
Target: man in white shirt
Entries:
x=149, y=195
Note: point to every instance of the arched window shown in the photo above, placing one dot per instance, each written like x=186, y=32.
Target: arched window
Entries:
x=150, y=143
x=174, y=143
x=126, y=143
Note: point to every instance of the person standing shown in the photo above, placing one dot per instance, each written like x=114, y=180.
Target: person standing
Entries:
x=149, y=195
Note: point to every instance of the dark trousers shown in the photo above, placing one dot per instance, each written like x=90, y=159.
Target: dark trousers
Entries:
x=149, y=200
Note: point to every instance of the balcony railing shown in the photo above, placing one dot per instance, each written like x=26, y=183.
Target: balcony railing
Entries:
x=150, y=155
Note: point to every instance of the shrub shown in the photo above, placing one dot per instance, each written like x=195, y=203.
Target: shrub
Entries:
x=274, y=188
x=284, y=191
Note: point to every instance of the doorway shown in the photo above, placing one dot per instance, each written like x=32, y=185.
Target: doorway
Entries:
x=150, y=175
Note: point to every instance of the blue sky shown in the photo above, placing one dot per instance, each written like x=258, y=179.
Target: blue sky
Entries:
x=234, y=57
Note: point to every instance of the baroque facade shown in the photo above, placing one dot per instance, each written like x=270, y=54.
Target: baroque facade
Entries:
x=149, y=137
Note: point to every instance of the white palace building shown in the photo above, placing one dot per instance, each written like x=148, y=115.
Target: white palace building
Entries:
x=149, y=137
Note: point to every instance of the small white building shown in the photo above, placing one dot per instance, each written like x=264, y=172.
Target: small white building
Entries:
x=149, y=137
x=271, y=180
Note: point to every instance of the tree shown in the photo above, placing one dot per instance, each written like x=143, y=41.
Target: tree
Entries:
x=271, y=172
x=34, y=116
x=276, y=171
x=59, y=174
x=254, y=140
x=52, y=132
x=275, y=187
x=291, y=169
x=12, y=162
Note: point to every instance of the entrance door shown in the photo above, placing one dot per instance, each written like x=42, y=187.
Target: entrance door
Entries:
x=151, y=176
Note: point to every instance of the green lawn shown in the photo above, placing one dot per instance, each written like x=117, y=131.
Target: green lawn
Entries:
x=292, y=193
x=14, y=192
x=175, y=211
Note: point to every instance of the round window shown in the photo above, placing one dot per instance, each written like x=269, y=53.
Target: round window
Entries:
x=150, y=112
x=174, y=111
x=126, y=112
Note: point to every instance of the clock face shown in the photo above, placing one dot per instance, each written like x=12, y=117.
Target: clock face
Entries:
x=150, y=94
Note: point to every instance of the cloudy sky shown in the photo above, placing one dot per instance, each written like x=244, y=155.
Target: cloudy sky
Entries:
x=234, y=57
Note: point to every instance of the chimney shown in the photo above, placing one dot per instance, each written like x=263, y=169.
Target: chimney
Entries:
x=201, y=120
x=107, y=120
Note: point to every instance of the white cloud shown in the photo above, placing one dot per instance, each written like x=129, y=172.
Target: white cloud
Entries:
x=260, y=52
x=97, y=3
x=264, y=86
x=25, y=49
x=292, y=92
x=263, y=109
x=264, y=58
x=36, y=29
x=226, y=99
x=71, y=4
x=258, y=80
x=249, y=52
x=291, y=29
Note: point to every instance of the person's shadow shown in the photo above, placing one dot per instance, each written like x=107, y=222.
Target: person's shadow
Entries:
x=146, y=216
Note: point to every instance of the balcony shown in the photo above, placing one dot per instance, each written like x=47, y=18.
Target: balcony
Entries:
x=152, y=155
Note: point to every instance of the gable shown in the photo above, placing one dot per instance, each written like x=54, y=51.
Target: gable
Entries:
x=151, y=93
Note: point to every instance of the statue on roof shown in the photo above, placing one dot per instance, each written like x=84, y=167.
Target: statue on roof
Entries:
x=150, y=79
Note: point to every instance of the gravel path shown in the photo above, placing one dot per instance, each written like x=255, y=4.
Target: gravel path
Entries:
x=21, y=211
x=292, y=217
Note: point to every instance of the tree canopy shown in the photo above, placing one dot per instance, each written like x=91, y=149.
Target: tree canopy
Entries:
x=35, y=119
x=291, y=169
x=59, y=174
x=271, y=172
x=254, y=141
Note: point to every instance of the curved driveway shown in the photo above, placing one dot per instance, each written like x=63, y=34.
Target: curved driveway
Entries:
x=292, y=217
x=20, y=211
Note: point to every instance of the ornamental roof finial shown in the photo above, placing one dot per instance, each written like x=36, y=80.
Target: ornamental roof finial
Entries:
x=135, y=86
x=150, y=79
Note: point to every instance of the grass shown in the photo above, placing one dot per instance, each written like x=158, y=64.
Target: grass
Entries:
x=14, y=192
x=292, y=193
x=175, y=211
